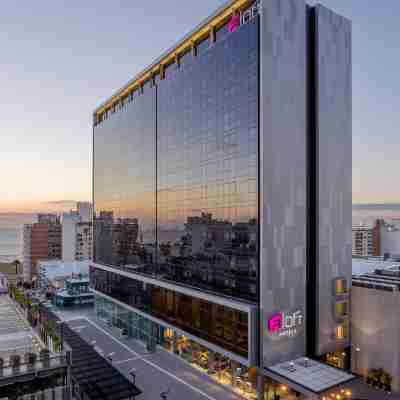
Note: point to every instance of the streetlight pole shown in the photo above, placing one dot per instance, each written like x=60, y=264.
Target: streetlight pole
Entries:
x=132, y=373
x=110, y=356
x=357, y=351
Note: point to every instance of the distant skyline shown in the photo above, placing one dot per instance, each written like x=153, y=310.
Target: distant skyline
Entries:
x=62, y=59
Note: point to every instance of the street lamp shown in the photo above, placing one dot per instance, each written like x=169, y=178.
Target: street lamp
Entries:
x=164, y=395
x=132, y=373
x=357, y=350
x=110, y=356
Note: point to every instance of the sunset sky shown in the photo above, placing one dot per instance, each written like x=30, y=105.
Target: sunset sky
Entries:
x=60, y=59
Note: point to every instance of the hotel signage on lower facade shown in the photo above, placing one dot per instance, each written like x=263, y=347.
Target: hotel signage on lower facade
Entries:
x=244, y=17
x=285, y=324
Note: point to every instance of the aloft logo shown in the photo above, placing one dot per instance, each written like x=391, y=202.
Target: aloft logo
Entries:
x=234, y=23
x=243, y=17
x=285, y=324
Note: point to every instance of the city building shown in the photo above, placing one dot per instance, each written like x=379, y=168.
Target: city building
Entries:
x=390, y=238
x=76, y=237
x=367, y=239
x=85, y=211
x=41, y=241
x=222, y=200
x=75, y=293
x=375, y=323
x=11, y=272
x=52, y=274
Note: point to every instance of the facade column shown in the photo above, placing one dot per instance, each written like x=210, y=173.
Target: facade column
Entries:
x=260, y=387
x=175, y=343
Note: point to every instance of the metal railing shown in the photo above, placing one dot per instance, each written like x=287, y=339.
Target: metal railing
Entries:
x=55, y=393
x=45, y=363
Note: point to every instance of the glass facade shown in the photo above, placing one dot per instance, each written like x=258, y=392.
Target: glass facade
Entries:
x=124, y=184
x=207, y=169
x=176, y=173
x=220, y=325
x=128, y=324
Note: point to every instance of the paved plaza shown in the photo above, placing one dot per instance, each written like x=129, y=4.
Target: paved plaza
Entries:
x=155, y=372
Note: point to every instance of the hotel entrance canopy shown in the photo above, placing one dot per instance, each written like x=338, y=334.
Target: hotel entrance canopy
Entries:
x=312, y=378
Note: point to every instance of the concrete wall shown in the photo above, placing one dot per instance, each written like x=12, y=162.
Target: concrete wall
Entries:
x=375, y=326
x=283, y=173
x=334, y=166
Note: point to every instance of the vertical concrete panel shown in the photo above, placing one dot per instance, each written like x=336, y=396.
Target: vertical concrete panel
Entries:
x=283, y=174
x=375, y=324
x=334, y=168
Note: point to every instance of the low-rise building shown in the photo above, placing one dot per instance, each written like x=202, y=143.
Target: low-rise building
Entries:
x=76, y=237
x=41, y=241
x=375, y=323
x=54, y=273
x=76, y=293
x=390, y=238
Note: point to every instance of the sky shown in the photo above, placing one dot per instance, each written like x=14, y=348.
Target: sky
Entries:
x=61, y=59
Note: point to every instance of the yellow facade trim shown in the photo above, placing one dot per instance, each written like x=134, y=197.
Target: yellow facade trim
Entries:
x=205, y=31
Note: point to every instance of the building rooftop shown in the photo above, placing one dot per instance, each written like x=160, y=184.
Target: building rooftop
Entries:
x=387, y=278
x=362, y=265
x=16, y=336
x=312, y=375
x=66, y=294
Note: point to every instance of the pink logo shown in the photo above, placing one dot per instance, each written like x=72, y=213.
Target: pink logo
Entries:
x=275, y=323
x=234, y=23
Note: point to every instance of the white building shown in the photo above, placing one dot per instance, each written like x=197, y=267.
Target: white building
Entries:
x=375, y=323
x=390, y=238
x=76, y=238
x=85, y=211
x=26, y=252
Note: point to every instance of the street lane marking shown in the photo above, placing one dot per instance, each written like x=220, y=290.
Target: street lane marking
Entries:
x=124, y=361
x=151, y=363
x=80, y=327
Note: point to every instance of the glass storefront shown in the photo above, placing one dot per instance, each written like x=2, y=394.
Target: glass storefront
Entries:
x=217, y=324
x=127, y=323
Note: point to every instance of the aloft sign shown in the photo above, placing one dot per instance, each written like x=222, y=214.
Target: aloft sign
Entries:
x=244, y=17
x=285, y=324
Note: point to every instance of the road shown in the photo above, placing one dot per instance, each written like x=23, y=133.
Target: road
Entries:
x=155, y=372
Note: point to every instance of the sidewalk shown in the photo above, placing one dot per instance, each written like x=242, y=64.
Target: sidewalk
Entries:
x=155, y=372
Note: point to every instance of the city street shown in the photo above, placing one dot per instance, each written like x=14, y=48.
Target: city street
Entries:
x=155, y=372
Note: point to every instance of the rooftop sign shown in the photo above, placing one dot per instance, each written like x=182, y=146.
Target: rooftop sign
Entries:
x=244, y=17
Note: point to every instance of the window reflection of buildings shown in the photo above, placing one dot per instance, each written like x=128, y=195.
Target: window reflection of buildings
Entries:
x=213, y=254
x=209, y=253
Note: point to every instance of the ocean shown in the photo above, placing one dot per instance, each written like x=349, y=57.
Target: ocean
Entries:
x=11, y=225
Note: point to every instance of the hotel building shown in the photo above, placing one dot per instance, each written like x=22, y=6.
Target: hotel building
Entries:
x=222, y=199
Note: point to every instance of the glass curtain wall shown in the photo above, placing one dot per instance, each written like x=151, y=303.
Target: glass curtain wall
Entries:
x=176, y=173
